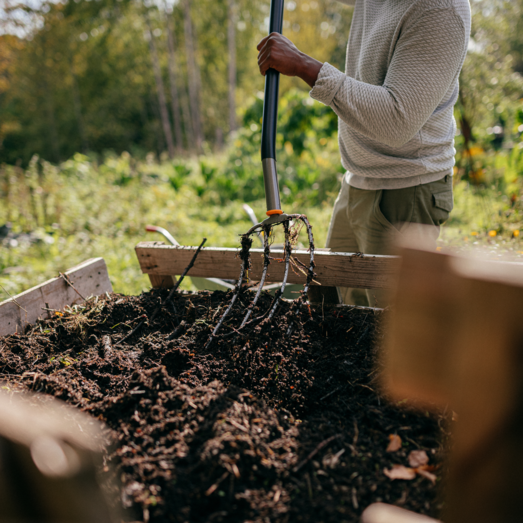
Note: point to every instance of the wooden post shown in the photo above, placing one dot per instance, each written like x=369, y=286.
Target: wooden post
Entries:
x=455, y=339
x=162, y=282
x=51, y=457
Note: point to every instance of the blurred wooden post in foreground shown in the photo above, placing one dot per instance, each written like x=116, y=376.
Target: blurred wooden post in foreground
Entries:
x=455, y=337
x=50, y=456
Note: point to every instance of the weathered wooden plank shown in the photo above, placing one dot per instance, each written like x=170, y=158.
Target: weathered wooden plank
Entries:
x=89, y=278
x=332, y=268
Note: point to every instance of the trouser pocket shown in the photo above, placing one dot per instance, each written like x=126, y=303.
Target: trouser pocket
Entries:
x=442, y=200
x=397, y=206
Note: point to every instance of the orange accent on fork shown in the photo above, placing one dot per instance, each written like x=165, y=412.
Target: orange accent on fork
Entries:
x=276, y=211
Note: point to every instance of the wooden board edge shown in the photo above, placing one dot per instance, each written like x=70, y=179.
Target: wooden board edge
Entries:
x=257, y=250
x=332, y=268
x=25, y=308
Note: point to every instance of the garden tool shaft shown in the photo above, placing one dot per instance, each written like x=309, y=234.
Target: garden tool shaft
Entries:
x=270, y=121
x=274, y=212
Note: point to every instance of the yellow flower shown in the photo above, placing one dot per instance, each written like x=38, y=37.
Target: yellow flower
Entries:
x=475, y=151
x=492, y=233
x=477, y=176
x=474, y=233
x=515, y=233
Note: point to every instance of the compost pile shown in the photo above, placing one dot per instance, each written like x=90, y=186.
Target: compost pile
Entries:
x=258, y=428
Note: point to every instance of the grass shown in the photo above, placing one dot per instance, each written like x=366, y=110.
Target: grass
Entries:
x=63, y=215
x=79, y=211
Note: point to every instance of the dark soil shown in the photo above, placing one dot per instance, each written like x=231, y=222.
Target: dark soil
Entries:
x=269, y=428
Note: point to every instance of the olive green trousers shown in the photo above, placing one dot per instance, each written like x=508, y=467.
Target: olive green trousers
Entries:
x=370, y=222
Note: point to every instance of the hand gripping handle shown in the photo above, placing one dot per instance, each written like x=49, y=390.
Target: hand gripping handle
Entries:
x=270, y=120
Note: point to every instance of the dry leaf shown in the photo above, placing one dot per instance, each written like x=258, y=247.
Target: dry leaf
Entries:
x=426, y=474
x=417, y=458
x=394, y=444
x=399, y=472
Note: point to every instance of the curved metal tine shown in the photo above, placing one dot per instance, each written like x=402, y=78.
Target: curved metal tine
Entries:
x=245, y=265
x=266, y=261
x=250, y=213
x=288, y=250
x=310, y=273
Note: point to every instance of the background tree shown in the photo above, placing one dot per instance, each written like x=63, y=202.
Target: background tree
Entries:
x=80, y=76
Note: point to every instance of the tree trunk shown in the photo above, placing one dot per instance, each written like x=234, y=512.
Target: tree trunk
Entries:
x=52, y=133
x=173, y=68
x=51, y=121
x=78, y=112
x=162, y=102
x=231, y=41
x=193, y=75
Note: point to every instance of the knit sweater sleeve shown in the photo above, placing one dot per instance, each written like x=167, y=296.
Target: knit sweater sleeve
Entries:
x=426, y=61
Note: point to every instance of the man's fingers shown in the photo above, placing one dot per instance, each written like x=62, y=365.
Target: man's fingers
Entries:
x=264, y=53
x=266, y=59
x=262, y=42
x=264, y=65
x=272, y=37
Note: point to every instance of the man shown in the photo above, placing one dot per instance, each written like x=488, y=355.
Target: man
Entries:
x=396, y=125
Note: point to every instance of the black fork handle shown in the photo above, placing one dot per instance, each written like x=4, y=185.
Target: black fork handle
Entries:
x=270, y=120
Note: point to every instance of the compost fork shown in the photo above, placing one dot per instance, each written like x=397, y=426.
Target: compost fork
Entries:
x=274, y=211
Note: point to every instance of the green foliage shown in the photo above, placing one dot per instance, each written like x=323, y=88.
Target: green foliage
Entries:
x=82, y=77
x=491, y=85
x=308, y=157
x=64, y=214
x=82, y=80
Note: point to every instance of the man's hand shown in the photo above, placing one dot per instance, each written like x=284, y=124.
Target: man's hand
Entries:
x=278, y=52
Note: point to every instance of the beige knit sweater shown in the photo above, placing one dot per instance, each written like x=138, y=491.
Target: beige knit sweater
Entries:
x=395, y=100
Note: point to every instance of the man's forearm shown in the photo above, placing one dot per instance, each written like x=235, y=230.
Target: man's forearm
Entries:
x=309, y=69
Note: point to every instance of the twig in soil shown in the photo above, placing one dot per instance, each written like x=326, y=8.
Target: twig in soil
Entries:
x=309, y=485
x=178, y=331
x=361, y=337
x=169, y=297
x=187, y=269
x=13, y=298
x=354, y=499
x=69, y=282
x=330, y=393
x=237, y=425
x=323, y=444
x=213, y=487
